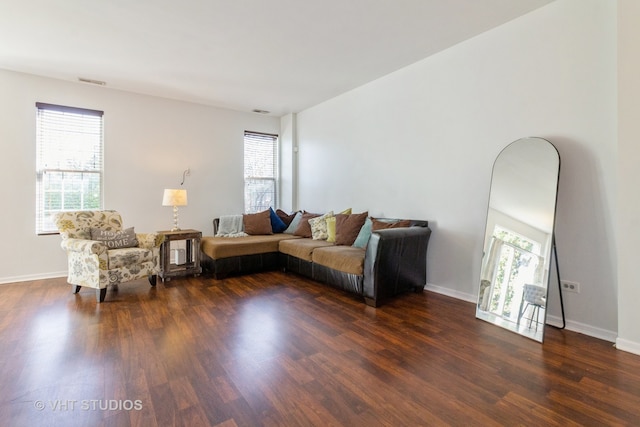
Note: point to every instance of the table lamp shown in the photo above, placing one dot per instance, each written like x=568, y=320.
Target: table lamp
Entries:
x=175, y=198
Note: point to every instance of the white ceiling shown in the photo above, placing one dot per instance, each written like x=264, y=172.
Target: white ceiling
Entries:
x=277, y=55
x=524, y=182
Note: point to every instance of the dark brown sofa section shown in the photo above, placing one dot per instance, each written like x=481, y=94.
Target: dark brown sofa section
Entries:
x=394, y=261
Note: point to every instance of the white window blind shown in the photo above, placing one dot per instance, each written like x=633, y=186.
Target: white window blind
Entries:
x=69, y=145
x=260, y=171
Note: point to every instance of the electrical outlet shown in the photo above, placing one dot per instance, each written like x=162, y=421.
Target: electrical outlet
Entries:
x=570, y=286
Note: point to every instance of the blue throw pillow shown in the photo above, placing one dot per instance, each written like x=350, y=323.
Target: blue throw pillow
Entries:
x=277, y=225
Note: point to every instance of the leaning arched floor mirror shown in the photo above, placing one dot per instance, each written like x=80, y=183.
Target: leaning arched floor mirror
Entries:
x=518, y=241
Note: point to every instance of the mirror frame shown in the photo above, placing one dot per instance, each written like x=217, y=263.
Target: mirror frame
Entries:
x=536, y=293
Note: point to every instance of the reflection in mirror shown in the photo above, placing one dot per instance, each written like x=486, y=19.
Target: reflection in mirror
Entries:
x=518, y=239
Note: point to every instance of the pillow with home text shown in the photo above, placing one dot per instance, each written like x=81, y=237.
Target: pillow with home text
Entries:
x=115, y=239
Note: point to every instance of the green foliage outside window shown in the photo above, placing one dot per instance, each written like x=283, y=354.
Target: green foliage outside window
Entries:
x=510, y=260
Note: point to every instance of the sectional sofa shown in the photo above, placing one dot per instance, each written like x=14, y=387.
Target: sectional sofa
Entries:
x=376, y=258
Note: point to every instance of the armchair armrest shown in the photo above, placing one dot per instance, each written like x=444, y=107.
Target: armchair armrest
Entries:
x=395, y=261
x=84, y=246
x=149, y=240
x=91, y=254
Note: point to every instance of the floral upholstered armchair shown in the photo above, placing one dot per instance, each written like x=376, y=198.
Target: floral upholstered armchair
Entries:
x=101, y=253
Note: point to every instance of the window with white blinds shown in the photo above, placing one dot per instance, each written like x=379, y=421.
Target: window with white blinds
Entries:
x=260, y=171
x=69, y=144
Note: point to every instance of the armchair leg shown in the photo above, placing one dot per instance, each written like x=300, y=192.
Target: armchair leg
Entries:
x=153, y=279
x=75, y=288
x=100, y=294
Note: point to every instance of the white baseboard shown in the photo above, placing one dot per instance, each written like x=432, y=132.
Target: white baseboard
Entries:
x=27, y=278
x=582, y=328
x=628, y=346
x=451, y=293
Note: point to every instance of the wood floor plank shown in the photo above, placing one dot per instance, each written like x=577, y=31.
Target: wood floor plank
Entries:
x=274, y=349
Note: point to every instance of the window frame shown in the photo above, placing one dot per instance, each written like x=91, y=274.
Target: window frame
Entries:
x=252, y=178
x=55, y=125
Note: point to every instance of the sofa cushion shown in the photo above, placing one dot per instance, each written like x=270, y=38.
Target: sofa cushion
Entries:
x=128, y=257
x=348, y=227
x=258, y=223
x=227, y=247
x=347, y=259
x=302, y=248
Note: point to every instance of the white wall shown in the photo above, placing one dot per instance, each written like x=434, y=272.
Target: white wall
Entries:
x=287, y=159
x=628, y=175
x=149, y=142
x=420, y=143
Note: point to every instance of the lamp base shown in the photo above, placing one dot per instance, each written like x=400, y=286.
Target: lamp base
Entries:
x=175, y=219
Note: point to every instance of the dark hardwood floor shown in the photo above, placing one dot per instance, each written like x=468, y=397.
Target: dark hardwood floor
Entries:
x=276, y=349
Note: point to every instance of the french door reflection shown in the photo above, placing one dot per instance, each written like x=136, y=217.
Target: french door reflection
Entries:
x=516, y=262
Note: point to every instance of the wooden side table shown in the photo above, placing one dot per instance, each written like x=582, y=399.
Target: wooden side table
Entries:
x=191, y=263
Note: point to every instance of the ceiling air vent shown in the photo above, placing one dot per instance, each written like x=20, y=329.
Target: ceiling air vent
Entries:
x=91, y=81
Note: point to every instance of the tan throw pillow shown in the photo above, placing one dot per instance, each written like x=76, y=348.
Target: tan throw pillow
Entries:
x=115, y=239
x=257, y=223
x=304, y=229
x=348, y=227
x=381, y=225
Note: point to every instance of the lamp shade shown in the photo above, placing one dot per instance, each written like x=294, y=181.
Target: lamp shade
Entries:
x=173, y=197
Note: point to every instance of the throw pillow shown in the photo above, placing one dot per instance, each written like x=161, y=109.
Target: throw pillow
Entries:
x=277, y=225
x=348, y=227
x=115, y=239
x=257, y=223
x=285, y=217
x=364, y=234
x=304, y=229
x=331, y=229
x=319, y=226
x=294, y=223
x=381, y=225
